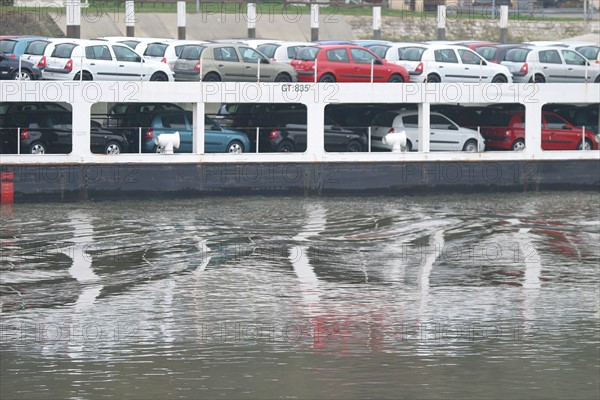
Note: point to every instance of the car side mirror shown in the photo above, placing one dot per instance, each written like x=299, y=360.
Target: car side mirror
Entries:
x=567, y=127
x=453, y=127
x=264, y=61
x=378, y=62
x=336, y=128
x=215, y=127
x=483, y=63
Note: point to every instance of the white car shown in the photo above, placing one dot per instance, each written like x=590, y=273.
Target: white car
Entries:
x=550, y=64
x=390, y=52
x=446, y=63
x=34, y=52
x=445, y=134
x=168, y=51
x=138, y=44
x=281, y=52
x=103, y=61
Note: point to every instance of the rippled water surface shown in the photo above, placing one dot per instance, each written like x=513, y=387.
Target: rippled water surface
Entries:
x=439, y=297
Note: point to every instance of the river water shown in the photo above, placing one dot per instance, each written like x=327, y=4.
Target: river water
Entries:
x=437, y=297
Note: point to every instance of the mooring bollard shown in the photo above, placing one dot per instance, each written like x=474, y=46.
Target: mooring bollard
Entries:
x=503, y=24
x=441, y=22
x=73, y=18
x=181, y=20
x=129, y=19
x=251, y=13
x=376, y=23
x=314, y=22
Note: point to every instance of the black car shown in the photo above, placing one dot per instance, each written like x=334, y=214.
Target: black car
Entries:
x=42, y=132
x=9, y=69
x=288, y=134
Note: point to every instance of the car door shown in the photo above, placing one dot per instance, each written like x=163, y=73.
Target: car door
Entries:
x=100, y=62
x=228, y=64
x=447, y=66
x=472, y=66
x=338, y=62
x=445, y=135
x=251, y=58
x=129, y=65
x=361, y=64
x=576, y=66
x=552, y=66
x=214, y=139
x=61, y=129
x=559, y=135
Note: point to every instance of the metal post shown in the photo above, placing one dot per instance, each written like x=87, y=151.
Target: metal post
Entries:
x=424, y=127
x=139, y=140
x=257, y=133
x=314, y=22
x=369, y=142
x=197, y=6
x=503, y=24
x=129, y=18
x=19, y=140
x=376, y=23
x=316, y=73
x=441, y=22
x=181, y=20
x=20, y=63
x=372, y=63
x=258, y=70
x=251, y=12
x=583, y=138
x=73, y=18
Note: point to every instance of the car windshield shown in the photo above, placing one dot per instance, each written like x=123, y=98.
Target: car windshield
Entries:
x=36, y=47
x=130, y=43
x=268, y=49
x=156, y=50
x=308, y=53
x=63, y=50
x=379, y=50
x=412, y=54
x=7, y=46
x=192, y=53
x=517, y=55
x=487, y=52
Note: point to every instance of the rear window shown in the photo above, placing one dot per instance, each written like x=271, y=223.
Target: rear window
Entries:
x=487, y=52
x=293, y=50
x=308, y=54
x=191, y=53
x=63, y=50
x=180, y=49
x=379, y=50
x=298, y=118
x=156, y=50
x=36, y=47
x=589, y=52
x=517, y=55
x=412, y=54
x=268, y=49
x=411, y=121
x=176, y=121
x=7, y=46
x=385, y=119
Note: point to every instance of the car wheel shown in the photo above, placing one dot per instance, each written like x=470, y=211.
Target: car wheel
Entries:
x=159, y=77
x=499, y=79
x=433, y=78
x=23, y=76
x=112, y=148
x=588, y=145
x=86, y=77
x=212, y=77
x=283, y=78
x=327, y=78
x=538, y=79
x=518, y=145
x=235, y=147
x=354, y=146
x=396, y=78
x=470, y=146
x=408, y=146
x=285, y=147
x=37, y=148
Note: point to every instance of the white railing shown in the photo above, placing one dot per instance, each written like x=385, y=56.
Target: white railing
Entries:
x=82, y=95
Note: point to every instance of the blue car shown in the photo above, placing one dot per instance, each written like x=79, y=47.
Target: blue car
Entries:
x=15, y=47
x=216, y=138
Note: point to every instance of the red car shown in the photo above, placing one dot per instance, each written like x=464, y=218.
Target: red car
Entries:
x=557, y=133
x=344, y=63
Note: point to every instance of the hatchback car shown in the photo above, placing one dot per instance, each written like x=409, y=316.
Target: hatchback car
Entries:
x=445, y=134
x=14, y=47
x=43, y=132
x=99, y=60
x=449, y=63
x=229, y=62
x=281, y=52
x=345, y=63
x=168, y=51
x=216, y=138
x=288, y=134
x=35, y=50
x=11, y=68
x=507, y=132
x=550, y=64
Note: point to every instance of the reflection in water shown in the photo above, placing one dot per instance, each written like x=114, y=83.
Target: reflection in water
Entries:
x=225, y=297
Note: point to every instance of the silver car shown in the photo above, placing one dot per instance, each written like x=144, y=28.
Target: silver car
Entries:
x=229, y=62
x=555, y=64
x=445, y=134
